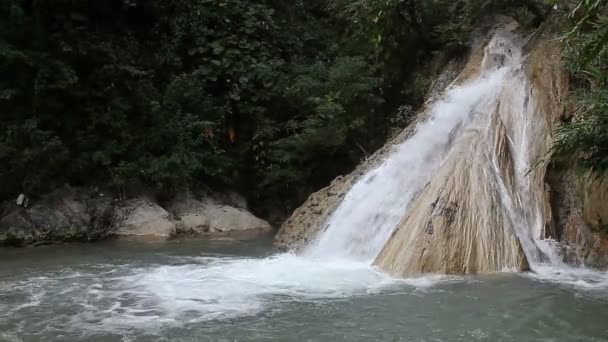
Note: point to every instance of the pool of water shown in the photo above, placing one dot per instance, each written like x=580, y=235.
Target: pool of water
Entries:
x=245, y=291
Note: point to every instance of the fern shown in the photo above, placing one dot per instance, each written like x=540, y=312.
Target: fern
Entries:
x=586, y=45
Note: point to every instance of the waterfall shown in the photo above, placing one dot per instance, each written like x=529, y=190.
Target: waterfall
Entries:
x=461, y=195
x=368, y=214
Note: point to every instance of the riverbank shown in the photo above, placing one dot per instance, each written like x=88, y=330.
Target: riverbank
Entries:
x=87, y=215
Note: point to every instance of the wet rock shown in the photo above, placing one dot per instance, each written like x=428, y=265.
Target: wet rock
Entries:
x=579, y=205
x=578, y=202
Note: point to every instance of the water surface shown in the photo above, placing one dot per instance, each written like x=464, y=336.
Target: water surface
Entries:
x=226, y=291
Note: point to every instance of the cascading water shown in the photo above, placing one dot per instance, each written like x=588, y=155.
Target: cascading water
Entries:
x=365, y=219
x=475, y=214
x=370, y=212
x=463, y=194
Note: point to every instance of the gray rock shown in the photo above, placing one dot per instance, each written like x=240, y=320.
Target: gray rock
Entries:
x=67, y=214
x=143, y=217
x=211, y=217
x=71, y=214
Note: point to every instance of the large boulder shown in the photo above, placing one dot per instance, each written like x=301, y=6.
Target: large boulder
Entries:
x=212, y=215
x=144, y=218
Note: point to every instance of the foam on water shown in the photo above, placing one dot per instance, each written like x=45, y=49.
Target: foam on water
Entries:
x=134, y=300
x=555, y=270
x=191, y=290
x=576, y=277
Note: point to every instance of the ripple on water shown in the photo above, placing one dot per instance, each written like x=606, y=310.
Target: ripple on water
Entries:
x=189, y=291
x=271, y=297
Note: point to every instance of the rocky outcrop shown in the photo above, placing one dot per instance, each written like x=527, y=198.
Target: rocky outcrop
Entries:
x=309, y=219
x=65, y=215
x=466, y=218
x=458, y=224
x=76, y=214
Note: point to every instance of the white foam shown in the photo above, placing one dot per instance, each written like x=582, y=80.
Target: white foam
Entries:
x=233, y=287
x=153, y=298
x=577, y=277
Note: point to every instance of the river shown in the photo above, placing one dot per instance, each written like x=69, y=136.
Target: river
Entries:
x=245, y=291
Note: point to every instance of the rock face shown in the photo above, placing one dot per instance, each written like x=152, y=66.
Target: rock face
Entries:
x=65, y=215
x=309, y=219
x=456, y=225
x=466, y=218
x=71, y=214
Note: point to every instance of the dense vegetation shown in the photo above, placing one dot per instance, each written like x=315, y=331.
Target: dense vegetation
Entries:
x=585, y=137
x=273, y=97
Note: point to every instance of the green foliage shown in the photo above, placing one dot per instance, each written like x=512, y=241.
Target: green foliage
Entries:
x=587, y=136
x=402, y=31
x=586, y=55
x=166, y=93
x=272, y=96
x=335, y=98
